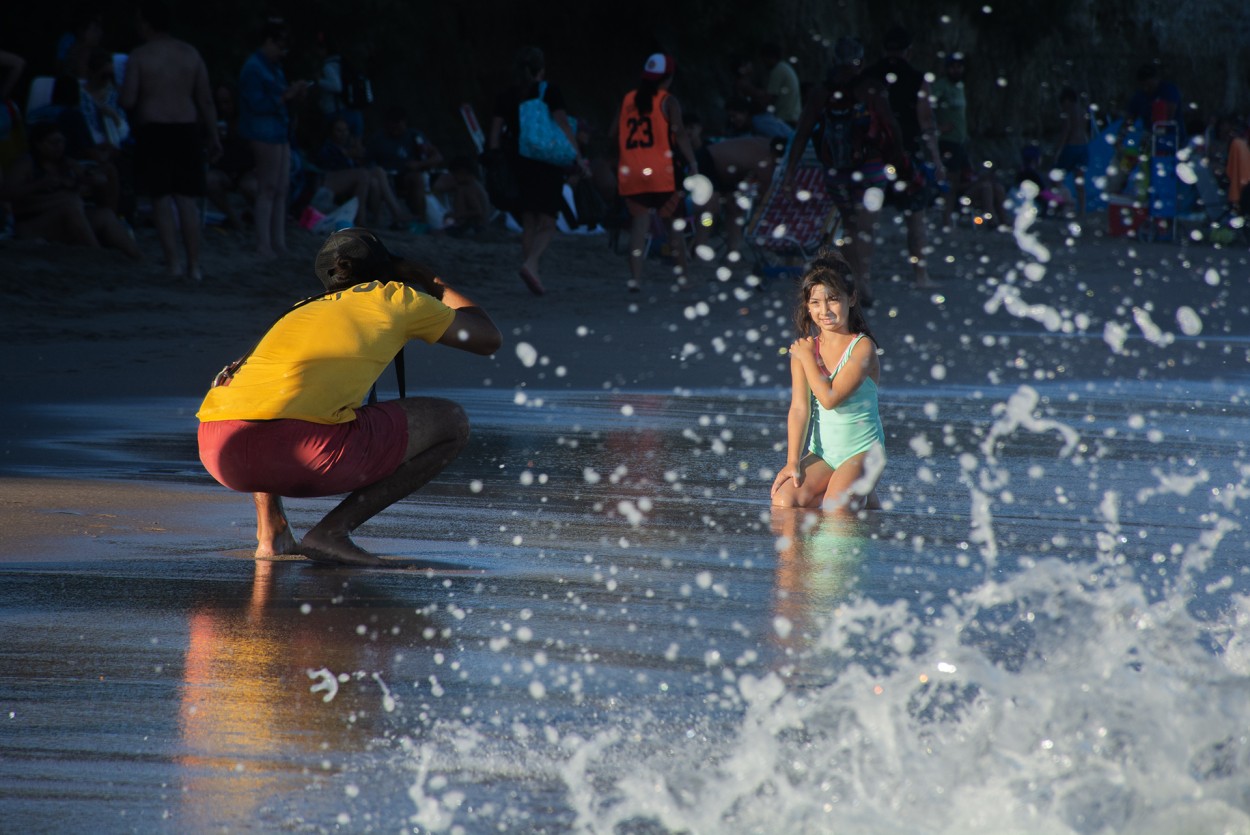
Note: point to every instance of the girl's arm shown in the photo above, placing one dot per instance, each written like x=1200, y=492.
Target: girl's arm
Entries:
x=831, y=393
x=796, y=426
x=562, y=120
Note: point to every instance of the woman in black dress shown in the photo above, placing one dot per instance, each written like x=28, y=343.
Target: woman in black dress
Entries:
x=541, y=185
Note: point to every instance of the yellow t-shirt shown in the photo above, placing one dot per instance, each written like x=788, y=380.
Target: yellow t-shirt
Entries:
x=318, y=361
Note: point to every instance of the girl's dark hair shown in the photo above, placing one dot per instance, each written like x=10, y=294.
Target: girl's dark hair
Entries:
x=529, y=62
x=831, y=271
x=646, y=94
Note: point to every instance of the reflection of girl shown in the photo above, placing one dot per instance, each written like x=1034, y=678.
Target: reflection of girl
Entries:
x=833, y=471
x=817, y=568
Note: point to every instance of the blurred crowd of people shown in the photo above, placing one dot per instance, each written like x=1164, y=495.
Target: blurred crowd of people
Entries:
x=113, y=141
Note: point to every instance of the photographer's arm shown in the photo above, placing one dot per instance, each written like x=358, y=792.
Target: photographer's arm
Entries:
x=472, y=330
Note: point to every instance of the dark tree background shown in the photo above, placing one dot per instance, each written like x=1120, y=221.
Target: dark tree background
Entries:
x=432, y=56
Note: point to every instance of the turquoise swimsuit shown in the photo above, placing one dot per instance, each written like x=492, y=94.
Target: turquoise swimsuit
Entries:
x=854, y=426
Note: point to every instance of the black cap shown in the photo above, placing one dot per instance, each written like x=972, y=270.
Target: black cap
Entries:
x=370, y=259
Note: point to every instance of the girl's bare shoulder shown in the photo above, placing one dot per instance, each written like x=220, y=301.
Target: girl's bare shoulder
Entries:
x=866, y=349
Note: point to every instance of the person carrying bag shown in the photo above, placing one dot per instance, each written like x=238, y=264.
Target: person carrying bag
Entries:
x=527, y=110
x=541, y=138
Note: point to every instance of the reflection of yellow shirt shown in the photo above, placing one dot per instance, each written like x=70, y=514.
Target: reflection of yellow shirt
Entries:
x=319, y=360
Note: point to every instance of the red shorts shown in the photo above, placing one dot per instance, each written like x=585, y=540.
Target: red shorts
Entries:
x=299, y=459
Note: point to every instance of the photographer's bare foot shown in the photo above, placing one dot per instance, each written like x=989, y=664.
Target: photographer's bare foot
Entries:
x=337, y=549
x=277, y=545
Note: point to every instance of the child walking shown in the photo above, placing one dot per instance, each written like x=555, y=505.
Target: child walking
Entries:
x=834, y=365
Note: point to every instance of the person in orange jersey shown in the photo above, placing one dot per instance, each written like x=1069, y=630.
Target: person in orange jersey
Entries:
x=648, y=129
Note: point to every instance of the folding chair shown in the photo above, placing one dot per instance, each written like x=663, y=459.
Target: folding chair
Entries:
x=790, y=224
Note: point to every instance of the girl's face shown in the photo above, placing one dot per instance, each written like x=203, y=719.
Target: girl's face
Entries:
x=830, y=309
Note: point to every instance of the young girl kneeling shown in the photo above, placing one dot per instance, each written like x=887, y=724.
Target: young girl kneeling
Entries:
x=834, y=365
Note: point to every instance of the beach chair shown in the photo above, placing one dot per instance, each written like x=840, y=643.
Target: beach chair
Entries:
x=789, y=226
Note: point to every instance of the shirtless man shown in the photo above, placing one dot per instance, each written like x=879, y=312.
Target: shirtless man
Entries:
x=166, y=91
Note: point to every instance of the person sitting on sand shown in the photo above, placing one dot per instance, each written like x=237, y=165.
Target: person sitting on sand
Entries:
x=1053, y=193
x=350, y=173
x=48, y=191
x=232, y=172
x=470, y=205
x=732, y=166
x=408, y=156
x=94, y=157
x=287, y=419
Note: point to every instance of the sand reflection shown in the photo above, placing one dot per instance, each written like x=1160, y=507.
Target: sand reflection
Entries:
x=256, y=717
